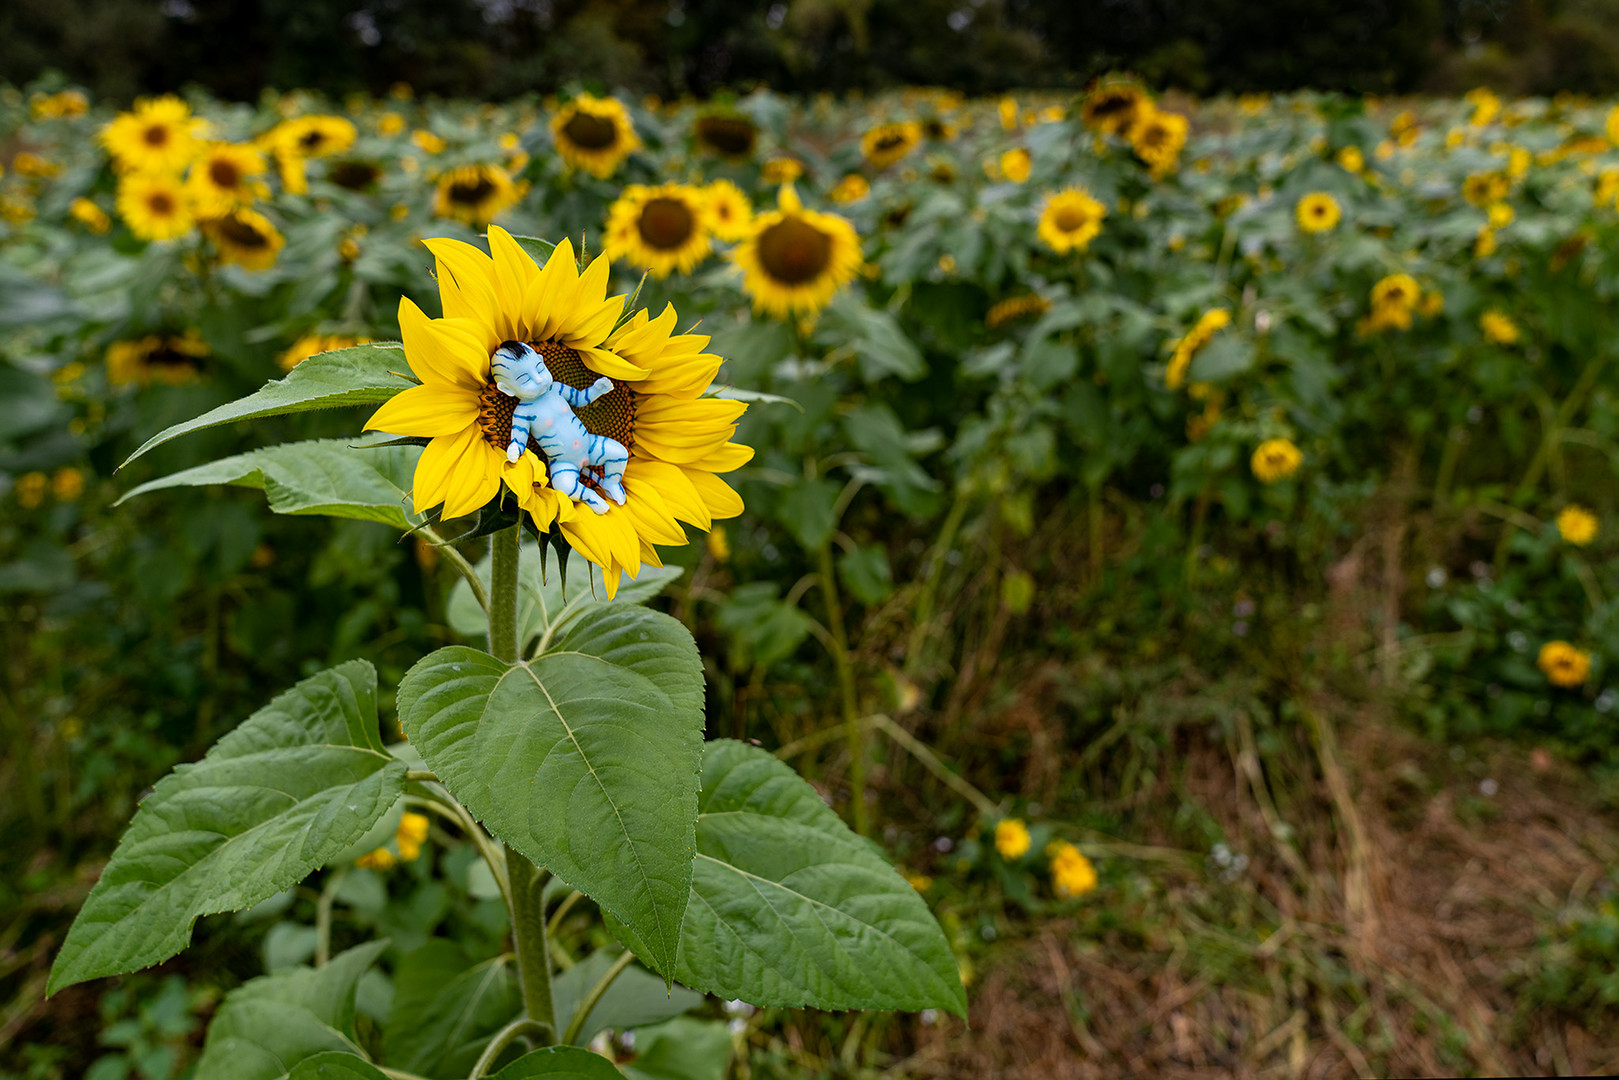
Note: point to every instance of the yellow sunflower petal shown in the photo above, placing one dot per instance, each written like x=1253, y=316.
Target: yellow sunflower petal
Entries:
x=475, y=481
x=680, y=495
x=727, y=458
x=548, y=296
x=514, y=270
x=651, y=515
x=465, y=285
x=606, y=362
x=439, y=351
x=439, y=461
x=426, y=411
x=722, y=502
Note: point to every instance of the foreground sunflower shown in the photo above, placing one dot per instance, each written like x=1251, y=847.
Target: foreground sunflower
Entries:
x=660, y=229
x=154, y=206
x=796, y=260
x=1070, y=220
x=245, y=238
x=476, y=194
x=676, y=438
x=155, y=136
x=594, y=134
x=887, y=143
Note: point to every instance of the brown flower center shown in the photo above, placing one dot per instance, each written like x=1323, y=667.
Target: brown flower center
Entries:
x=891, y=141
x=240, y=233
x=590, y=131
x=666, y=224
x=793, y=251
x=224, y=174
x=471, y=193
x=312, y=141
x=1071, y=218
x=354, y=175
x=727, y=134
x=161, y=203
x=156, y=136
x=495, y=410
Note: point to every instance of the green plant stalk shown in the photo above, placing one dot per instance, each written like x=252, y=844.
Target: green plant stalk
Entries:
x=517, y=1029
x=323, y=917
x=1095, y=515
x=526, y=898
x=1448, y=456
x=930, y=588
x=853, y=731
x=588, y=1005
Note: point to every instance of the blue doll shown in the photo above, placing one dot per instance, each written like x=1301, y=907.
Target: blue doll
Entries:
x=545, y=417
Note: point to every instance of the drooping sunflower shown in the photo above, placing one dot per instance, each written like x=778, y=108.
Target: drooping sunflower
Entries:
x=313, y=136
x=1113, y=105
x=728, y=134
x=677, y=438
x=476, y=194
x=245, y=237
x=1157, y=138
x=594, y=134
x=887, y=143
x=796, y=260
x=155, y=136
x=222, y=178
x=1070, y=220
x=154, y=206
x=730, y=214
x=660, y=229
x=1317, y=212
x=168, y=359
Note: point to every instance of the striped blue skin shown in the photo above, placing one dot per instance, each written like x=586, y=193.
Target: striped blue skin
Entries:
x=545, y=419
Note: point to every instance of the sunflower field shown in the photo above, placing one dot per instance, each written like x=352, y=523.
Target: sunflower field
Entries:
x=1176, y=536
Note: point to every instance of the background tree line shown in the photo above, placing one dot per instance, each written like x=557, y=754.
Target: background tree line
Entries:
x=499, y=48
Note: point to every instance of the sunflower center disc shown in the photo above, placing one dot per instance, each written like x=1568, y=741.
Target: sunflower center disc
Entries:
x=665, y=223
x=590, y=132
x=612, y=414
x=311, y=141
x=472, y=194
x=495, y=409
x=224, y=174
x=794, y=251
x=240, y=233
x=727, y=134
x=890, y=142
x=1070, y=219
x=161, y=203
x=354, y=175
x=156, y=135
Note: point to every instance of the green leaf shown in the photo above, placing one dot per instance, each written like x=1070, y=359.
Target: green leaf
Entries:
x=1227, y=356
x=538, y=250
x=790, y=908
x=446, y=1008
x=586, y=766
x=323, y=476
x=636, y=998
x=545, y=603
x=682, y=1049
x=647, y=642
x=809, y=510
x=297, y=782
x=335, y=1065
x=359, y=375
x=268, y=1025
x=562, y=1062
x=865, y=571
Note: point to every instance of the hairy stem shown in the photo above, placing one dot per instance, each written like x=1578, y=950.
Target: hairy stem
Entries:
x=517, y=1029
x=503, y=594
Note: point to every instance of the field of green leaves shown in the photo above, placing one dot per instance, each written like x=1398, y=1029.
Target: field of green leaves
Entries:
x=1180, y=534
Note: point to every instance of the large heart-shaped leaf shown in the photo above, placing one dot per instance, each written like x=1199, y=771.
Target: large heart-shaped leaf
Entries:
x=335, y=1065
x=359, y=375
x=560, y=1063
x=790, y=908
x=293, y=785
x=586, y=766
x=268, y=1025
x=321, y=476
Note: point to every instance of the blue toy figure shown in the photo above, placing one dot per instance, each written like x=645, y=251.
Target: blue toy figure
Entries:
x=545, y=417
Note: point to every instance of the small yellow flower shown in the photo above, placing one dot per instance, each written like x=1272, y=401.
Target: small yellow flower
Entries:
x=730, y=214
x=155, y=206
x=1015, y=165
x=719, y=544
x=594, y=134
x=90, y=215
x=410, y=836
x=1007, y=109
x=919, y=882
x=781, y=170
x=1071, y=872
x=1185, y=348
x=1498, y=328
x=427, y=142
x=1317, y=212
x=947, y=263
x=1276, y=459
x=30, y=489
x=390, y=123
x=661, y=229
x=1070, y=220
x=851, y=188
x=1578, y=525
x=68, y=484
x=796, y=260
x=1351, y=159
x=1011, y=838
x=1500, y=214
x=1157, y=138
x=1563, y=664
x=887, y=143
x=380, y=859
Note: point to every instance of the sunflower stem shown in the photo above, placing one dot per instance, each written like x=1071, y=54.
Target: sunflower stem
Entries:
x=527, y=883
x=853, y=730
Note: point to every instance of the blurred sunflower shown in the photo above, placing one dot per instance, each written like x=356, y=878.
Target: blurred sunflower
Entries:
x=796, y=260
x=1317, y=212
x=1481, y=189
x=1185, y=348
x=1276, y=459
x=678, y=440
x=660, y=229
x=476, y=194
x=166, y=359
x=1577, y=525
x=730, y=214
x=222, y=178
x=594, y=134
x=938, y=130
x=353, y=174
x=1498, y=327
x=1113, y=106
x=245, y=238
x=1014, y=165
x=157, y=135
x=1070, y=219
x=91, y=216
x=887, y=143
x=1157, y=138
x=154, y=206
x=311, y=344
x=781, y=170
x=851, y=188
x=728, y=134
x=1015, y=307
x=1563, y=664
x=313, y=136
x=1350, y=159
